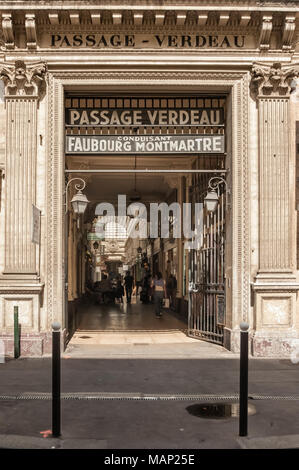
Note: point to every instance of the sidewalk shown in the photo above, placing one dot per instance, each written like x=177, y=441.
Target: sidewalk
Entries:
x=151, y=344
x=123, y=423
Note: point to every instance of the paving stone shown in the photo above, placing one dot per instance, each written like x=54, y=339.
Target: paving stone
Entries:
x=290, y=441
x=14, y=441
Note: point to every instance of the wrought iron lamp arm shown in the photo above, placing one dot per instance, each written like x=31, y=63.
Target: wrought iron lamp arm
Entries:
x=78, y=187
x=215, y=182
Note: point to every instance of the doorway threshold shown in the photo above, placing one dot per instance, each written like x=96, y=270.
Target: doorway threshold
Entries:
x=83, y=337
x=141, y=345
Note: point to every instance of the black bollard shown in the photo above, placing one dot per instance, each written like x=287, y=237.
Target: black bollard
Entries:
x=243, y=420
x=16, y=333
x=56, y=419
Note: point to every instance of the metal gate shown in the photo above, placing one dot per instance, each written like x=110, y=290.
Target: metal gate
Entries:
x=206, y=309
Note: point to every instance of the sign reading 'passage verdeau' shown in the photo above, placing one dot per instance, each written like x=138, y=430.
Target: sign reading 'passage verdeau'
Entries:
x=143, y=41
x=145, y=117
x=103, y=144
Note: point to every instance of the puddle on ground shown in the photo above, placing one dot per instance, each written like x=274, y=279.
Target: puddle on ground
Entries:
x=218, y=410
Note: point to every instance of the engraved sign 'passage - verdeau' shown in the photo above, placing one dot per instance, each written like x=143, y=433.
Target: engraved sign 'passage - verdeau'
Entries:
x=153, y=41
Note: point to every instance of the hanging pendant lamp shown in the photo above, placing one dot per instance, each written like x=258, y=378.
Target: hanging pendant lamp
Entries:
x=135, y=196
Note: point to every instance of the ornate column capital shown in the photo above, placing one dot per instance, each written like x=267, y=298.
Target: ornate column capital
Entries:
x=23, y=79
x=268, y=81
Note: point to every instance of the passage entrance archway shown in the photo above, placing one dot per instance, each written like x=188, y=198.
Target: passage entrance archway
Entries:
x=206, y=267
x=236, y=83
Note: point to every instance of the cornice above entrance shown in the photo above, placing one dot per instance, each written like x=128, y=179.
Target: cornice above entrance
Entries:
x=25, y=25
x=167, y=4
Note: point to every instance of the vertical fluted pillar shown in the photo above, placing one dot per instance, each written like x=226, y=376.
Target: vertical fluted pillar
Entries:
x=23, y=85
x=274, y=182
x=275, y=284
x=272, y=88
x=21, y=184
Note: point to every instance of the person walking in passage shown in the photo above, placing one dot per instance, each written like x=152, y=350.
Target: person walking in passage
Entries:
x=119, y=290
x=171, y=287
x=159, y=287
x=129, y=286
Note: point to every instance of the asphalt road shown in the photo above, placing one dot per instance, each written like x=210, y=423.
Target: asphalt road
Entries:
x=121, y=424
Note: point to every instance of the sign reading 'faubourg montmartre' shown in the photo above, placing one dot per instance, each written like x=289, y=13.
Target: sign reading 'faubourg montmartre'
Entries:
x=197, y=143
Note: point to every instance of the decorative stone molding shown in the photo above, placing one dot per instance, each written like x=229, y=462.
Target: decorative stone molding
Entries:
x=23, y=79
x=30, y=27
x=272, y=81
x=53, y=18
x=159, y=18
x=74, y=17
x=265, y=34
x=223, y=19
x=202, y=19
x=165, y=16
x=21, y=289
x=181, y=19
x=288, y=32
x=138, y=18
x=116, y=18
x=214, y=17
x=95, y=18
x=8, y=33
x=244, y=20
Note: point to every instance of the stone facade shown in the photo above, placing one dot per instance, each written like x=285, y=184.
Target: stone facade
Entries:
x=246, y=49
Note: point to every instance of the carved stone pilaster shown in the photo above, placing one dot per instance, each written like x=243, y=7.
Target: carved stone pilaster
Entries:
x=23, y=86
x=274, y=287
